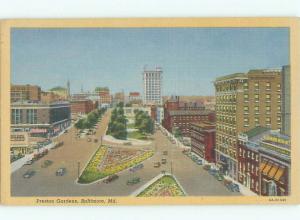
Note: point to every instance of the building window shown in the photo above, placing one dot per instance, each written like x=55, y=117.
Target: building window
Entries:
x=279, y=119
x=256, y=85
x=256, y=97
x=268, y=86
x=256, y=120
x=278, y=87
x=246, y=97
x=16, y=117
x=31, y=116
x=279, y=108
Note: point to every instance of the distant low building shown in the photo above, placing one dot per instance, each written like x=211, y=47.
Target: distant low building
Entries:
x=23, y=93
x=82, y=106
x=129, y=111
x=135, y=98
x=61, y=91
x=179, y=115
x=49, y=97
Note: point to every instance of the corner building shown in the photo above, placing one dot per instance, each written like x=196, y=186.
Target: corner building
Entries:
x=245, y=101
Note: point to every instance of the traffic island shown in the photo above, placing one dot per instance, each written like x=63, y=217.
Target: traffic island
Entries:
x=164, y=185
x=108, y=161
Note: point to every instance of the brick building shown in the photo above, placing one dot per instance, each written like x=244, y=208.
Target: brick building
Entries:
x=180, y=114
x=82, y=106
x=264, y=161
x=203, y=140
x=248, y=158
x=20, y=93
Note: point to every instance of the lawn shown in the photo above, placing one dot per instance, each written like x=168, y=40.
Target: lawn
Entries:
x=136, y=135
x=164, y=186
x=130, y=126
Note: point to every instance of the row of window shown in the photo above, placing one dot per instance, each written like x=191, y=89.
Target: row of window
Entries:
x=17, y=116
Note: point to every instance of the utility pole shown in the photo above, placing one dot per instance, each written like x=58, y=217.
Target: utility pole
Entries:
x=78, y=169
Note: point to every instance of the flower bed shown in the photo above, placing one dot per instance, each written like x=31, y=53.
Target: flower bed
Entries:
x=108, y=161
x=164, y=186
x=91, y=173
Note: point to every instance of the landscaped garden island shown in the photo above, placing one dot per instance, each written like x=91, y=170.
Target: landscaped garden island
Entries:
x=107, y=161
x=166, y=185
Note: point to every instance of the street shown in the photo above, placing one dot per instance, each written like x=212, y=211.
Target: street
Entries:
x=77, y=152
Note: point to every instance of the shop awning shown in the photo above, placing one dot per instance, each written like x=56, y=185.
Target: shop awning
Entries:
x=267, y=168
x=262, y=165
x=279, y=174
x=38, y=130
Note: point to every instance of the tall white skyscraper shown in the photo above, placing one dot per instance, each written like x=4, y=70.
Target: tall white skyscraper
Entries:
x=153, y=86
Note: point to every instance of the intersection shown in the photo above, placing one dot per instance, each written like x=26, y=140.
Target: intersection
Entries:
x=76, y=153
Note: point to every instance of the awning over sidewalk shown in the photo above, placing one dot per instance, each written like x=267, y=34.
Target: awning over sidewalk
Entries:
x=38, y=130
x=272, y=170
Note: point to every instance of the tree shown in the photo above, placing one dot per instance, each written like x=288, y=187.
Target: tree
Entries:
x=79, y=124
x=177, y=133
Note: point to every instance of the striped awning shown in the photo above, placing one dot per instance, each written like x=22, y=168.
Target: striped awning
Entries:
x=272, y=170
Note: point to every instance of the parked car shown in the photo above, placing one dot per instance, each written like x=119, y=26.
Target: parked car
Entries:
x=219, y=176
x=212, y=172
x=165, y=153
x=46, y=163
x=95, y=140
x=61, y=171
x=206, y=167
x=157, y=164
x=89, y=139
x=28, y=174
x=133, y=181
x=29, y=162
x=137, y=167
x=111, y=178
x=199, y=162
x=164, y=161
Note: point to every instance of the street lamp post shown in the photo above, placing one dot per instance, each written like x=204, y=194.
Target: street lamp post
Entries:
x=78, y=169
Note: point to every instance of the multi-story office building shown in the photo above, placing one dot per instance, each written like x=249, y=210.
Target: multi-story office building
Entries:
x=21, y=93
x=153, y=86
x=203, y=140
x=245, y=101
x=40, y=119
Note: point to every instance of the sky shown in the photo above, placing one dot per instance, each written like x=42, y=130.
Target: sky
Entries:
x=191, y=58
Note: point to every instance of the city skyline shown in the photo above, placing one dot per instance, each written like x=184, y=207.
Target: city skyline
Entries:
x=99, y=57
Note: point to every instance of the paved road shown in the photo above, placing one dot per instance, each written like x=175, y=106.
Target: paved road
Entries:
x=191, y=176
